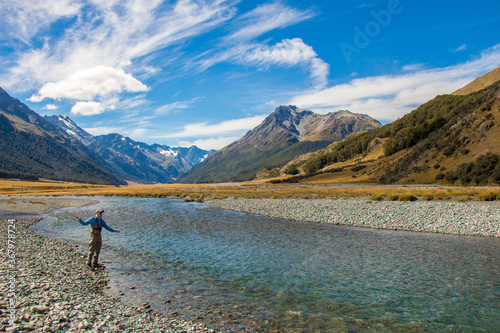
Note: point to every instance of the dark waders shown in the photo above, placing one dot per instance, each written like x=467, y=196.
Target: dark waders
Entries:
x=95, y=243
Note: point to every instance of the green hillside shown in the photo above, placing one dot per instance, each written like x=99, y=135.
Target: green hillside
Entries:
x=452, y=138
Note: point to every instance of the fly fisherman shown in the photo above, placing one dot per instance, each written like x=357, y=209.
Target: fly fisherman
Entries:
x=95, y=240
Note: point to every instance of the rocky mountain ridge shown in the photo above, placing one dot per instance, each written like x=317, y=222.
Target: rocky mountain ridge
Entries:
x=31, y=145
x=285, y=133
x=132, y=160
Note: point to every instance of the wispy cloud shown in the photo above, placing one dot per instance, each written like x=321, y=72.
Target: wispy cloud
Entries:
x=101, y=33
x=176, y=106
x=210, y=143
x=389, y=97
x=462, y=47
x=103, y=130
x=265, y=18
x=223, y=128
x=413, y=67
x=39, y=14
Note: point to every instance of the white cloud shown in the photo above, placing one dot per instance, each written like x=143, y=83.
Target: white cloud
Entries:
x=320, y=71
x=87, y=84
x=388, y=97
x=225, y=127
x=462, y=47
x=210, y=143
x=106, y=33
x=50, y=107
x=288, y=52
x=237, y=46
x=87, y=108
x=39, y=14
x=265, y=18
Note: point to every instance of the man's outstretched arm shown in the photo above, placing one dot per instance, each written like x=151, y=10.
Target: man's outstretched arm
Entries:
x=89, y=221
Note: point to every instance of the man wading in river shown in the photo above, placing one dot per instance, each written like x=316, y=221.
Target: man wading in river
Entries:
x=95, y=240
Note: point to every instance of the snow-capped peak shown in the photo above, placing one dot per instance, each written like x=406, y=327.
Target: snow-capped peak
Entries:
x=170, y=152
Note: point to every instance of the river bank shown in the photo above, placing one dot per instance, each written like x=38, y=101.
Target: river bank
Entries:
x=470, y=218
x=47, y=287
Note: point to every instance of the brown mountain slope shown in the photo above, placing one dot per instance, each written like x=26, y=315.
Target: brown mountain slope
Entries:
x=450, y=139
x=480, y=83
x=284, y=134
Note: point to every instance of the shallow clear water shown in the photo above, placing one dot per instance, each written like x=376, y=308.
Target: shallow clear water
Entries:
x=243, y=272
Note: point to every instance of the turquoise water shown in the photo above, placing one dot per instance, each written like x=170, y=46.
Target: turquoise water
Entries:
x=243, y=272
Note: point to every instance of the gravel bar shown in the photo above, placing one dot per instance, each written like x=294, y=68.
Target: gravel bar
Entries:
x=46, y=287
x=468, y=218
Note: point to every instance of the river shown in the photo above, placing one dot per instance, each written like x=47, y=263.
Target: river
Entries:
x=243, y=272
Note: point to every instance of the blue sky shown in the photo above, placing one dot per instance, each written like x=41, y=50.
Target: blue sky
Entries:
x=206, y=72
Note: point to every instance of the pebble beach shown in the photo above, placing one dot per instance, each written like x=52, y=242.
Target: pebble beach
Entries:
x=467, y=218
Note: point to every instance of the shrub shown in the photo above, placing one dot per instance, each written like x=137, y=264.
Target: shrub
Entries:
x=292, y=170
x=484, y=170
x=408, y=197
x=358, y=167
x=440, y=176
x=488, y=197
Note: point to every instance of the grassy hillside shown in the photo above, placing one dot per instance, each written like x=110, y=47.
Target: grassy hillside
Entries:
x=450, y=139
x=480, y=83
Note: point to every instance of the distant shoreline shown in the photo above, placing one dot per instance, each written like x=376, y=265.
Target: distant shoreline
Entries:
x=470, y=219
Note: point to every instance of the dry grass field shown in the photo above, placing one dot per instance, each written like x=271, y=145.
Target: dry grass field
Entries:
x=255, y=189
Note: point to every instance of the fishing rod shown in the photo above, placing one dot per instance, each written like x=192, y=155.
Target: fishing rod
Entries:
x=60, y=209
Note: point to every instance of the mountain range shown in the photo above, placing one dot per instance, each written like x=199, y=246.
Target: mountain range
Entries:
x=57, y=148
x=31, y=145
x=452, y=139
x=284, y=134
x=132, y=160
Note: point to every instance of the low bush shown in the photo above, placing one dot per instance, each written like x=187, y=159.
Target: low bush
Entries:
x=408, y=198
x=486, y=169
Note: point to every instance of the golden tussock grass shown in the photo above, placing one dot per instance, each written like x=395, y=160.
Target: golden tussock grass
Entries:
x=204, y=192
